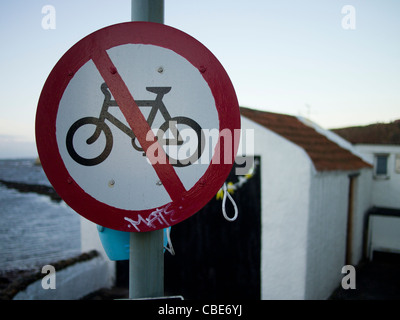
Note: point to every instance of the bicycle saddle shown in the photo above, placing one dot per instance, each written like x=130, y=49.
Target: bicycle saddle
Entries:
x=159, y=90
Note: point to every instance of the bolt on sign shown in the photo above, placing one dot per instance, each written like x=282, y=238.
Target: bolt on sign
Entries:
x=137, y=126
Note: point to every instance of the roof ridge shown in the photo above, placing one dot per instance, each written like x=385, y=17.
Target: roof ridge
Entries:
x=327, y=155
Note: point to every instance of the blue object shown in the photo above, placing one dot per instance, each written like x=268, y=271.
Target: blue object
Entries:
x=116, y=243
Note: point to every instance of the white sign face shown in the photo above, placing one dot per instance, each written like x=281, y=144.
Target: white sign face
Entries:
x=96, y=143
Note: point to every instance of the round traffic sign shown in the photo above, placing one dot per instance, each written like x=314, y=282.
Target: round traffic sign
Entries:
x=137, y=126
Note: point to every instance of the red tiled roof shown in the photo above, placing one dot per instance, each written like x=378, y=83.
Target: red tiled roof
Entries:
x=377, y=133
x=324, y=153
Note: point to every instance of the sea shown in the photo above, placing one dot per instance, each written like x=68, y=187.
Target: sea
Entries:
x=34, y=230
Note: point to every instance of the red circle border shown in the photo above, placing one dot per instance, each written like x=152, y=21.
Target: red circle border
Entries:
x=45, y=128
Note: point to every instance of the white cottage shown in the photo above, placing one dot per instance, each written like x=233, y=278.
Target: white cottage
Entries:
x=380, y=144
x=313, y=206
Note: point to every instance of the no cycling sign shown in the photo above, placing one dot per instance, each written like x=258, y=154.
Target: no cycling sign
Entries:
x=123, y=126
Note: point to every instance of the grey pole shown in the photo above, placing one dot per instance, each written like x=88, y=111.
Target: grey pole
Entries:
x=148, y=10
x=146, y=253
x=146, y=265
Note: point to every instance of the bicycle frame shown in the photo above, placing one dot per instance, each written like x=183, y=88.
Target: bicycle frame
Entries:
x=156, y=105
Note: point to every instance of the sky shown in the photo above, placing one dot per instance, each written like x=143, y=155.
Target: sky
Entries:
x=337, y=65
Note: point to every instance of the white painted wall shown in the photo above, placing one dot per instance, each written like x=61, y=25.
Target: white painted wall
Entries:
x=285, y=193
x=383, y=234
x=385, y=192
x=362, y=202
x=326, y=243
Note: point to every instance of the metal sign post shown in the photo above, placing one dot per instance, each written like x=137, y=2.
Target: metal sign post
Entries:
x=146, y=256
x=146, y=265
x=148, y=10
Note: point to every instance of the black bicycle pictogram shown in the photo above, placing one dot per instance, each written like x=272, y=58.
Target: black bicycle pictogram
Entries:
x=156, y=105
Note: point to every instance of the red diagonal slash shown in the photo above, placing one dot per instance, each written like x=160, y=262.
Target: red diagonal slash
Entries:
x=137, y=122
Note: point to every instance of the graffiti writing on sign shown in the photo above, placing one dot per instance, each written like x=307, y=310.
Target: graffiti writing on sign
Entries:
x=162, y=216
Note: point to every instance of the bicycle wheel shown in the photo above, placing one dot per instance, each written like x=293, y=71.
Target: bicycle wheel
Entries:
x=100, y=127
x=192, y=152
